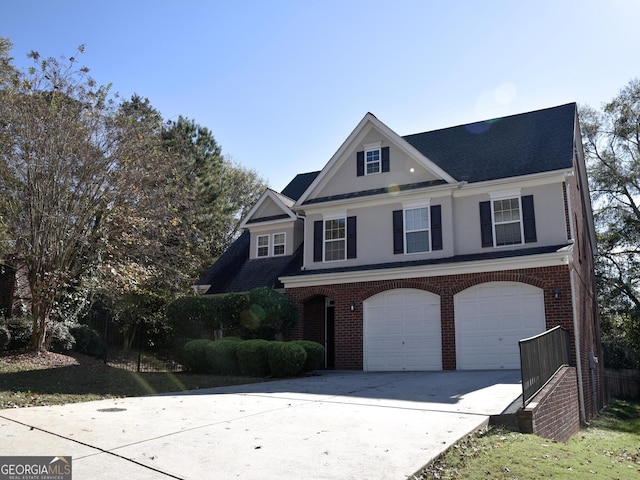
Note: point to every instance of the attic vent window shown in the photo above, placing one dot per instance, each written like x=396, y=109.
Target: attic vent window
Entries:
x=373, y=161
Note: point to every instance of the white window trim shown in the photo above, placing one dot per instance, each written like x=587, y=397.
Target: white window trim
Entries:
x=258, y=246
x=325, y=219
x=370, y=147
x=405, y=231
x=274, y=244
x=504, y=196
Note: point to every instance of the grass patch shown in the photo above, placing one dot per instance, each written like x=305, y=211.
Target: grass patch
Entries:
x=608, y=449
x=81, y=378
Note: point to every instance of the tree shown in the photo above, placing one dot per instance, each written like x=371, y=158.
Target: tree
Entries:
x=79, y=182
x=611, y=140
x=224, y=191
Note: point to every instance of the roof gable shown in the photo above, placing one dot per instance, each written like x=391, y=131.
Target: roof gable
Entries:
x=337, y=178
x=271, y=207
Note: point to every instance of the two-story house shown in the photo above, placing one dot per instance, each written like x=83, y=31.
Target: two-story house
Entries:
x=433, y=251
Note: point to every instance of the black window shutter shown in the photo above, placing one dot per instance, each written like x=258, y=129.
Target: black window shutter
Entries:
x=317, y=240
x=360, y=164
x=398, y=231
x=436, y=227
x=351, y=237
x=529, y=219
x=385, y=159
x=486, y=229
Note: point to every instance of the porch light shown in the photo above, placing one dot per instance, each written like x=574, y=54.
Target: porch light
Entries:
x=556, y=293
x=352, y=307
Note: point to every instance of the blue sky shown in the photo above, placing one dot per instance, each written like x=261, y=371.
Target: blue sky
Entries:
x=281, y=84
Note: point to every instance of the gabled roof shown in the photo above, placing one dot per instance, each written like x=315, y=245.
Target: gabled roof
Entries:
x=512, y=146
x=235, y=272
x=282, y=202
x=370, y=121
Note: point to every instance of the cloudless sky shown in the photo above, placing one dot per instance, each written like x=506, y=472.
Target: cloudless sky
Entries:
x=282, y=83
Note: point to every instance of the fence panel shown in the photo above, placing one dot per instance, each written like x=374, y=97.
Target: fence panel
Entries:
x=540, y=358
x=622, y=384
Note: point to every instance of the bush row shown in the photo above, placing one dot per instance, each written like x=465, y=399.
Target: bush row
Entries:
x=256, y=358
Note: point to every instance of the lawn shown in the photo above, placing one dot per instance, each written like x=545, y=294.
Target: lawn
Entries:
x=28, y=380
x=607, y=449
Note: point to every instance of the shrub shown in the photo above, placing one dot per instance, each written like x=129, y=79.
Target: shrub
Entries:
x=253, y=357
x=59, y=338
x=195, y=355
x=89, y=342
x=315, y=354
x=286, y=359
x=232, y=339
x=221, y=357
x=20, y=329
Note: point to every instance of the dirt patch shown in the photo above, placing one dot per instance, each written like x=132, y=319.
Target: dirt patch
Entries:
x=41, y=360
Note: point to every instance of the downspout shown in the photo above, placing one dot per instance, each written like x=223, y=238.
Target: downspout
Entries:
x=576, y=333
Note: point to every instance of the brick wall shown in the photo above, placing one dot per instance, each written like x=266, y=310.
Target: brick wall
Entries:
x=349, y=324
x=554, y=413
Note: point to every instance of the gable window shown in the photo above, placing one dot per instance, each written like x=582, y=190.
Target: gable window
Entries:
x=416, y=226
x=372, y=160
x=335, y=239
x=507, y=220
x=278, y=244
x=263, y=245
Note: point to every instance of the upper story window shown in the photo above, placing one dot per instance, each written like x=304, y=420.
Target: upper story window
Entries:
x=372, y=161
x=416, y=224
x=507, y=221
x=278, y=244
x=263, y=245
x=335, y=239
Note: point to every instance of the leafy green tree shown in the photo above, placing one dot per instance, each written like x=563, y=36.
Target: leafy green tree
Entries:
x=611, y=138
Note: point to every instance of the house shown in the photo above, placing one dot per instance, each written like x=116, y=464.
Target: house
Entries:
x=433, y=251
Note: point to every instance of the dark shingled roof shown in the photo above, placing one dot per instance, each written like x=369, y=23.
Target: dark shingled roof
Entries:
x=511, y=146
x=299, y=184
x=235, y=272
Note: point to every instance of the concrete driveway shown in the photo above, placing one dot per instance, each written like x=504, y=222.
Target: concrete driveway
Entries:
x=334, y=425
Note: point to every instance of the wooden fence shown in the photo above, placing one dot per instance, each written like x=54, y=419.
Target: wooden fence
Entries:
x=622, y=384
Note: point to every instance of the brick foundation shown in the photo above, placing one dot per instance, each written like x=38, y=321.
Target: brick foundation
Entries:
x=554, y=413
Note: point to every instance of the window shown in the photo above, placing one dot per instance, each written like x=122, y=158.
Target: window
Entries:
x=417, y=230
x=507, y=221
x=263, y=245
x=372, y=161
x=278, y=243
x=335, y=239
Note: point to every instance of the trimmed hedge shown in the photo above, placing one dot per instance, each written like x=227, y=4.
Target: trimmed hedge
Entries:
x=89, y=342
x=221, y=357
x=315, y=354
x=253, y=357
x=195, y=355
x=286, y=359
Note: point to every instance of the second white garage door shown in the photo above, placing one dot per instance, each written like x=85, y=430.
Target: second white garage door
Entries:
x=490, y=320
x=402, y=331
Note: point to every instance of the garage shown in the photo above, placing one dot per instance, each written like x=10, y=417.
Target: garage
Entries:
x=490, y=320
x=402, y=331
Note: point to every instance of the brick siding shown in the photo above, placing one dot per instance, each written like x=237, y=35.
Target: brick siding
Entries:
x=554, y=413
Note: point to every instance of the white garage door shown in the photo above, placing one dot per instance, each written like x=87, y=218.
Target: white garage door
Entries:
x=490, y=320
x=402, y=331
